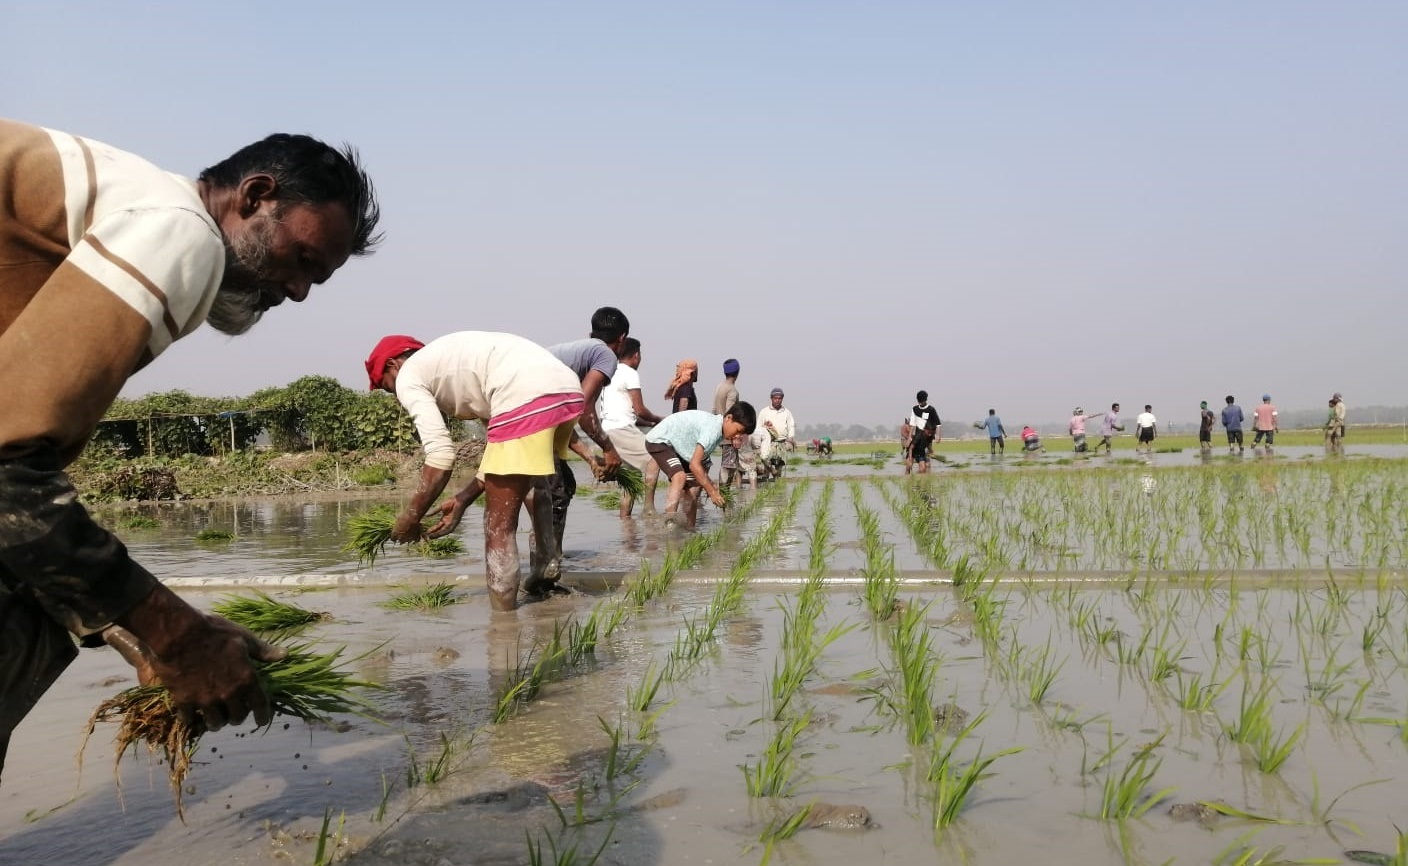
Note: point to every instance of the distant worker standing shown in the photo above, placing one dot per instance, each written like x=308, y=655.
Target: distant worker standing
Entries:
x=1334, y=426
x=779, y=431
x=1205, y=421
x=1146, y=428
x=1232, y=420
x=1265, y=422
x=1109, y=427
x=924, y=419
x=681, y=391
x=725, y=395
x=996, y=432
x=1077, y=427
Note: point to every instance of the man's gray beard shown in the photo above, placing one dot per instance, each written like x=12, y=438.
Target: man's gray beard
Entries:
x=235, y=310
x=241, y=300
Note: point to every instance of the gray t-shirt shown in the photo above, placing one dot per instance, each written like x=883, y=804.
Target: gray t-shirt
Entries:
x=583, y=356
x=725, y=395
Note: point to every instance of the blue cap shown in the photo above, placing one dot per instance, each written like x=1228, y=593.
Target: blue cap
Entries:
x=731, y=367
x=1266, y=397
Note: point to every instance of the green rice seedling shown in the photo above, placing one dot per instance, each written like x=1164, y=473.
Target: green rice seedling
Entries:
x=1196, y=693
x=1041, y=673
x=304, y=684
x=140, y=521
x=445, y=547
x=266, y=615
x=387, y=787
x=521, y=685
x=775, y=773
x=608, y=500
x=435, y=769
x=323, y=855
x=583, y=637
x=567, y=855
x=212, y=535
x=950, y=782
x=1272, y=750
x=639, y=698
x=1124, y=795
x=428, y=598
x=782, y=829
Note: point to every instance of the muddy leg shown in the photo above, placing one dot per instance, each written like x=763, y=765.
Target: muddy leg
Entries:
x=504, y=498
x=672, y=496
x=545, y=557
x=652, y=477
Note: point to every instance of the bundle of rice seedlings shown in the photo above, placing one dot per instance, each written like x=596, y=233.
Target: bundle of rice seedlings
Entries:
x=369, y=532
x=631, y=481
x=305, y=685
x=730, y=495
x=266, y=615
x=429, y=598
x=442, y=548
x=209, y=534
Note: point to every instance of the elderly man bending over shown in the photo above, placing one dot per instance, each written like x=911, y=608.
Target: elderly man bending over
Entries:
x=529, y=402
x=105, y=260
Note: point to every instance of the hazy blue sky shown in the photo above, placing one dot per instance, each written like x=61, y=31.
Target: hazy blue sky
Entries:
x=1020, y=205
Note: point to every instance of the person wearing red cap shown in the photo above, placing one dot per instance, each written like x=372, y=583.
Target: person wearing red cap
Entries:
x=529, y=402
x=105, y=261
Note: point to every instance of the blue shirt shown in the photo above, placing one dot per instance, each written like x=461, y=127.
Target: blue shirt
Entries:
x=994, y=425
x=682, y=431
x=1232, y=417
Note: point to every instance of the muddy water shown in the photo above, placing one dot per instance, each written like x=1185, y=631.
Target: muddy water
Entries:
x=260, y=798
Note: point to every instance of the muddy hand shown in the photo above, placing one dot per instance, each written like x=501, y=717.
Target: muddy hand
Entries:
x=407, y=529
x=450, y=513
x=210, y=669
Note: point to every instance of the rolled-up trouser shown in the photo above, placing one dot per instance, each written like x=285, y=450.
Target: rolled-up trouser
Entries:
x=61, y=575
x=563, y=486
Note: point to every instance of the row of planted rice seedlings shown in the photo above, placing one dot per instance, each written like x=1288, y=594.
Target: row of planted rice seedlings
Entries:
x=1184, y=519
x=882, y=584
x=701, y=632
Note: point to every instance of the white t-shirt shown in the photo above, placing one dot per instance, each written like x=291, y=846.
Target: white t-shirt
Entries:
x=1145, y=419
x=614, y=406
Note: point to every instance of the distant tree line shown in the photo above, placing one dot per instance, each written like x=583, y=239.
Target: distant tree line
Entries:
x=315, y=412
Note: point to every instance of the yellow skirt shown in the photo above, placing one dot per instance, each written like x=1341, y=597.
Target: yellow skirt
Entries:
x=530, y=455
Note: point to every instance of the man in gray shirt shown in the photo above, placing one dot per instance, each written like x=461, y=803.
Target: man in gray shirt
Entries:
x=725, y=395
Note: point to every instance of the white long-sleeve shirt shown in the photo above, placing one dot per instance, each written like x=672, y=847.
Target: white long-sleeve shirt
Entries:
x=783, y=428
x=475, y=375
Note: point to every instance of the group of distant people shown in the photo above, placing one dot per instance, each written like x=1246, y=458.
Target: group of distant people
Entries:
x=921, y=428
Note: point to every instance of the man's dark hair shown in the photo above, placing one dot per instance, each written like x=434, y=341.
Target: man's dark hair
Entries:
x=1148, y=408
x=1114, y=405
x=992, y=411
x=628, y=348
x=1230, y=400
x=922, y=396
x=610, y=324
x=308, y=171
x=744, y=413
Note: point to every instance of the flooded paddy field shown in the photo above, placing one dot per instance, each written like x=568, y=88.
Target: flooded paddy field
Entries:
x=1140, y=663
